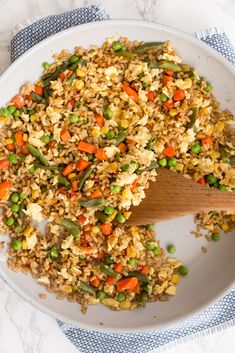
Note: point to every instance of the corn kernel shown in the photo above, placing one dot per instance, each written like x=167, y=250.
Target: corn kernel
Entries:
x=225, y=227
x=127, y=214
x=173, y=112
x=171, y=290
x=25, y=137
x=219, y=126
x=124, y=123
x=28, y=231
x=95, y=230
x=179, y=167
x=80, y=73
x=112, y=167
x=95, y=132
x=175, y=278
x=79, y=84
x=215, y=154
x=233, y=218
x=127, y=194
x=162, y=274
x=104, y=130
x=125, y=305
x=131, y=252
x=35, y=194
x=8, y=141
x=24, y=245
x=72, y=175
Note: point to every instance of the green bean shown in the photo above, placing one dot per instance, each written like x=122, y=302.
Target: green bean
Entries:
x=36, y=153
x=120, y=138
x=152, y=166
x=37, y=98
x=166, y=65
x=92, y=203
x=108, y=271
x=224, y=155
x=87, y=288
x=63, y=181
x=232, y=161
x=52, y=77
x=46, y=92
x=142, y=298
x=86, y=174
x=193, y=118
x=138, y=275
x=71, y=77
x=144, y=48
x=49, y=167
x=71, y=227
x=151, y=143
x=127, y=54
x=105, y=218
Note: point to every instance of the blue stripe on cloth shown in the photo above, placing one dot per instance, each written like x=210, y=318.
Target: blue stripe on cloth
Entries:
x=218, y=316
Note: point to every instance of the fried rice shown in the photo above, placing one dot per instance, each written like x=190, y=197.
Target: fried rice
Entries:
x=79, y=147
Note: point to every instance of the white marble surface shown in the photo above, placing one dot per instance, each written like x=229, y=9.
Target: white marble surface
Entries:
x=24, y=329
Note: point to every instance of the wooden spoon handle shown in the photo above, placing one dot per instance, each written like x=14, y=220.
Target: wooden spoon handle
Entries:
x=173, y=196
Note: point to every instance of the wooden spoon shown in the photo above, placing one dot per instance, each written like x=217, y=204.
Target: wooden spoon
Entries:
x=172, y=195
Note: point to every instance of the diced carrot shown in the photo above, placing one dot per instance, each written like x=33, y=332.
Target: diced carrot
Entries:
x=110, y=280
x=82, y=164
x=134, y=185
x=127, y=284
x=137, y=288
x=74, y=184
x=10, y=147
x=72, y=102
x=201, y=181
x=169, y=152
x=62, y=75
x=18, y=101
x=51, y=144
x=87, y=147
x=65, y=135
x=4, y=164
x=63, y=192
x=101, y=155
x=118, y=267
x=4, y=188
x=82, y=218
x=99, y=119
x=207, y=140
x=131, y=142
x=106, y=228
x=24, y=150
x=100, y=255
x=166, y=79
x=169, y=104
x=95, y=282
x=122, y=147
x=144, y=270
x=96, y=194
x=130, y=91
x=169, y=72
x=179, y=95
x=38, y=90
x=87, y=227
x=68, y=169
x=19, y=138
x=151, y=96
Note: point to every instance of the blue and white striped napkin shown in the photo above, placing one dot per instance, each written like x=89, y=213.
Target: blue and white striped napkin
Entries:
x=218, y=316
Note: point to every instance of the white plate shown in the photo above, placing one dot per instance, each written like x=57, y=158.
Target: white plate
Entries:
x=210, y=275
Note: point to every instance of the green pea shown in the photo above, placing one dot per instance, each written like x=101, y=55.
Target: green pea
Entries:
x=23, y=196
x=4, y=112
x=12, y=157
x=125, y=167
x=132, y=262
x=46, y=65
x=233, y=189
x=141, y=75
x=171, y=162
x=162, y=162
x=81, y=257
x=31, y=111
x=211, y=179
x=208, y=87
x=16, y=244
x=18, y=228
x=108, y=260
x=90, y=157
x=117, y=46
x=17, y=113
x=32, y=169
x=108, y=114
x=196, y=148
x=215, y=237
x=73, y=59
x=11, y=109
x=150, y=226
x=79, y=104
x=101, y=295
x=135, y=164
x=15, y=207
x=163, y=97
x=156, y=251
x=120, y=128
x=171, y=249
x=54, y=252
x=109, y=210
x=10, y=221
x=110, y=135
x=120, y=297
x=45, y=138
x=145, y=85
x=121, y=218
x=150, y=245
x=222, y=187
x=183, y=270
x=115, y=189
x=15, y=197
x=73, y=118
